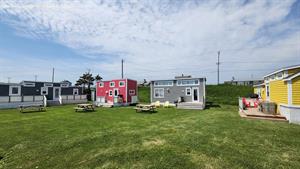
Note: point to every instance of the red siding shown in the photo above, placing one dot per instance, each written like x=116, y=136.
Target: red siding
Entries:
x=104, y=91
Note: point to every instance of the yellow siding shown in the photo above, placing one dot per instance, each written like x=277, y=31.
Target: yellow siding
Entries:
x=278, y=92
x=263, y=94
x=296, y=91
x=292, y=71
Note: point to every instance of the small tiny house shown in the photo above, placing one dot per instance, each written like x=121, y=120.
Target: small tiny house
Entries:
x=116, y=92
x=283, y=88
x=27, y=92
x=186, y=91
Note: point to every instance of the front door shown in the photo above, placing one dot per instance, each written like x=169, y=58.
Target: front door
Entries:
x=56, y=93
x=195, y=94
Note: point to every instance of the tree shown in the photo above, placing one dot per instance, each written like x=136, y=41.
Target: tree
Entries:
x=86, y=80
x=98, y=77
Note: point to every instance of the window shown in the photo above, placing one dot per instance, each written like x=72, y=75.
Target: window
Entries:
x=14, y=90
x=29, y=84
x=64, y=85
x=110, y=93
x=101, y=84
x=112, y=84
x=188, y=92
x=75, y=92
x=163, y=83
x=159, y=93
x=268, y=91
x=48, y=84
x=44, y=90
x=187, y=82
x=121, y=83
x=131, y=92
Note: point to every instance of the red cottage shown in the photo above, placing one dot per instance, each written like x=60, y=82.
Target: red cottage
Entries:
x=116, y=92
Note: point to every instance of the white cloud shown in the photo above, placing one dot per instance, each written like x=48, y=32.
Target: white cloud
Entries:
x=159, y=39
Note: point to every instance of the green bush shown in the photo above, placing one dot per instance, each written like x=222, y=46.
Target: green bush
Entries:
x=227, y=94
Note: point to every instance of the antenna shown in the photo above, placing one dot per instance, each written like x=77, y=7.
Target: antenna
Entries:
x=218, y=64
x=53, y=75
x=122, y=63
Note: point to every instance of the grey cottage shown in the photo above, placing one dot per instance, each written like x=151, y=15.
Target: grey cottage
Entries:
x=185, y=91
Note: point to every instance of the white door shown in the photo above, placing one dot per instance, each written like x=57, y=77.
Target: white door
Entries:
x=56, y=93
x=195, y=94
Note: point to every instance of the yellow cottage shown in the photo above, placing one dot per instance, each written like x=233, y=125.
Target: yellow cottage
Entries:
x=283, y=88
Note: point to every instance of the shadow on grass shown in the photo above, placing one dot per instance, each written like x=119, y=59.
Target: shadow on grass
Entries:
x=33, y=111
x=209, y=105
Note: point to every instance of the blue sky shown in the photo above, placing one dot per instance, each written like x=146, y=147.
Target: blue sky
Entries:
x=158, y=39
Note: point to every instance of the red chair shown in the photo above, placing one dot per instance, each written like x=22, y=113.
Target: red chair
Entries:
x=247, y=104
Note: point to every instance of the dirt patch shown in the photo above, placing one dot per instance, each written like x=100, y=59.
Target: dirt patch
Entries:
x=154, y=142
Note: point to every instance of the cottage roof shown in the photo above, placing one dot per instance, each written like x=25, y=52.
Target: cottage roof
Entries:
x=283, y=69
x=292, y=76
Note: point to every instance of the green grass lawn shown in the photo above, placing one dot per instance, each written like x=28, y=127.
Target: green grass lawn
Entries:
x=122, y=138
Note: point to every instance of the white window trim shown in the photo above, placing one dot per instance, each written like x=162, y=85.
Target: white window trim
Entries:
x=75, y=89
x=186, y=91
x=162, y=92
x=163, y=81
x=64, y=85
x=121, y=85
x=44, y=88
x=29, y=84
x=112, y=83
x=48, y=84
x=101, y=83
x=131, y=92
x=10, y=90
x=110, y=91
x=188, y=84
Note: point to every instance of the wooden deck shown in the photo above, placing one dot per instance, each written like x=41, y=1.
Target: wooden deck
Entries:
x=190, y=105
x=254, y=113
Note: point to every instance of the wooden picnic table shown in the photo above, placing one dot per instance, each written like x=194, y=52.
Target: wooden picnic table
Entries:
x=145, y=107
x=84, y=107
x=38, y=107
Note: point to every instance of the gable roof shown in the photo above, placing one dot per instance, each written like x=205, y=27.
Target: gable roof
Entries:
x=283, y=69
x=291, y=77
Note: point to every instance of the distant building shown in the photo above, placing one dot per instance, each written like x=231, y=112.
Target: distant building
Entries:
x=245, y=82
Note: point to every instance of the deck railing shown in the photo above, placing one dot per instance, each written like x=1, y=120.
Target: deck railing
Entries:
x=16, y=99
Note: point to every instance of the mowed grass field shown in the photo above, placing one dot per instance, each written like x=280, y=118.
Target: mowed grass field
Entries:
x=122, y=138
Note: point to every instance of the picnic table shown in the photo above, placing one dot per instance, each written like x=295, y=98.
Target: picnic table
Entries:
x=38, y=107
x=84, y=107
x=145, y=107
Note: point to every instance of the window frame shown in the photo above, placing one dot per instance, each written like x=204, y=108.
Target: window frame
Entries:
x=172, y=83
x=29, y=84
x=64, y=85
x=123, y=84
x=48, y=84
x=198, y=82
x=44, y=88
x=11, y=90
x=131, y=92
x=112, y=83
x=101, y=84
x=186, y=91
x=163, y=92
x=110, y=93
x=75, y=89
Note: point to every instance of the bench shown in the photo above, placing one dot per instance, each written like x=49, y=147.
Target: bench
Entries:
x=145, y=108
x=84, y=107
x=37, y=107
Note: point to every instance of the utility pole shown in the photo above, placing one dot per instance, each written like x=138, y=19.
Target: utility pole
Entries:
x=122, y=62
x=218, y=64
x=53, y=75
x=35, y=78
x=8, y=79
